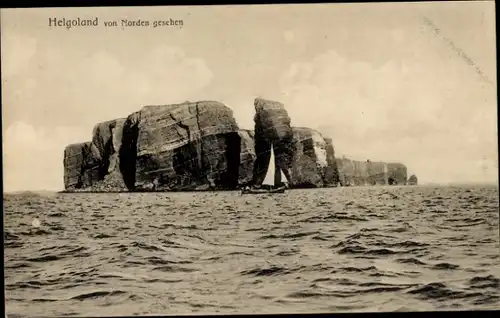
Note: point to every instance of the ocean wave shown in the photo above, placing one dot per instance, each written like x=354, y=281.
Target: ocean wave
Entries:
x=287, y=253
x=323, y=237
x=289, y=235
x=407, y=243
x=438, y=290
x=480, y=282
x=445, y=266
x=9, y=236
x=362, y=250
x=147, y=247
x=97, y=294
x=268, y=271
x=346, y=288
x=155, y=260
x=359, y=249
x=410, y=260
x=350, y=269
x=35, y=232
x=57, y=215
x=67, y=251
x=102, y=236
x=174, y=269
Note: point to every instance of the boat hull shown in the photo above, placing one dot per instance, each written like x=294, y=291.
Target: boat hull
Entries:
x=263, y=191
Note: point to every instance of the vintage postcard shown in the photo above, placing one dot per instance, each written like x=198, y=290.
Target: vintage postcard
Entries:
x=296, y=158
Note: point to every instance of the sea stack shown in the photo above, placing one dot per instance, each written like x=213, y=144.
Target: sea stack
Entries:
x=272, y=129
x=412, y=180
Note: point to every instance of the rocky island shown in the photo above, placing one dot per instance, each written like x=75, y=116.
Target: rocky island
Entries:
x=196, y=146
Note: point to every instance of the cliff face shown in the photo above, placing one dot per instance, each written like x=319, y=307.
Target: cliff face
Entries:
x=107, y=140
x=332, y=171
x=397, y=173
x=313, y=159
x=309, y=163
x=352, y=172
x=196, y=146
x=377, y=172
x=247, y=157
x=185, y=146
x=95, y=165
x=81, y=166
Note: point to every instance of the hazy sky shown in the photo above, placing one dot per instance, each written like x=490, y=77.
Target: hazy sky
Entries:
x=376, y=78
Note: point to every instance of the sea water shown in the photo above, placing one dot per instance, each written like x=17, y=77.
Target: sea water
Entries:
x=318, y=250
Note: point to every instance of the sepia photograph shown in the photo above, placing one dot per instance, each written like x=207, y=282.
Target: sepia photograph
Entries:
x=250, y=159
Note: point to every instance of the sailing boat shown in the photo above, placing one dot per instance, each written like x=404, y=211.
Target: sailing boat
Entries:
x=272, y=126
x=272, y=182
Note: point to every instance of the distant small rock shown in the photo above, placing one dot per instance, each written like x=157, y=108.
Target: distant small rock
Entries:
x=412, y=180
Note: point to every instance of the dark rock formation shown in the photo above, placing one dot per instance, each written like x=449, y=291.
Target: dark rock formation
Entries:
x=247, y=157
x=412, y=180
x=332, y=172
x=397, y=174
x=313, y=163
x=198, y=146
x=377, y=172
x=271, y=120
x=188, y=146
x=107, y=139
x=94, y=166
x=346, y=171
x=272, y=129
x=310, y=162
x=352, y=172
x=81, y=166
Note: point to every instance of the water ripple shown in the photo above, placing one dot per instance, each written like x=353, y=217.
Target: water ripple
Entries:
x=334, y=249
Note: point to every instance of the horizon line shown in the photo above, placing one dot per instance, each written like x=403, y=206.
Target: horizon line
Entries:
x=430, y=183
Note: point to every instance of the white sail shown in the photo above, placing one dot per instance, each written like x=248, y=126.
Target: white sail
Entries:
x=269, y=179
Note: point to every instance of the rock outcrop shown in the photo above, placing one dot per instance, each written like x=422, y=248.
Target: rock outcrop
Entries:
x=188, y=146
x=95, y=165
x=272, y=129
x=81, y=166
x=309, y=164
x=272, y=120
x=332, y=172
x=107, y=140
x=199, y=146
x=312, y=162
x=352, y=172
x=397, y=174
x=377, y=173
x=412, y=180
x=247, y=157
